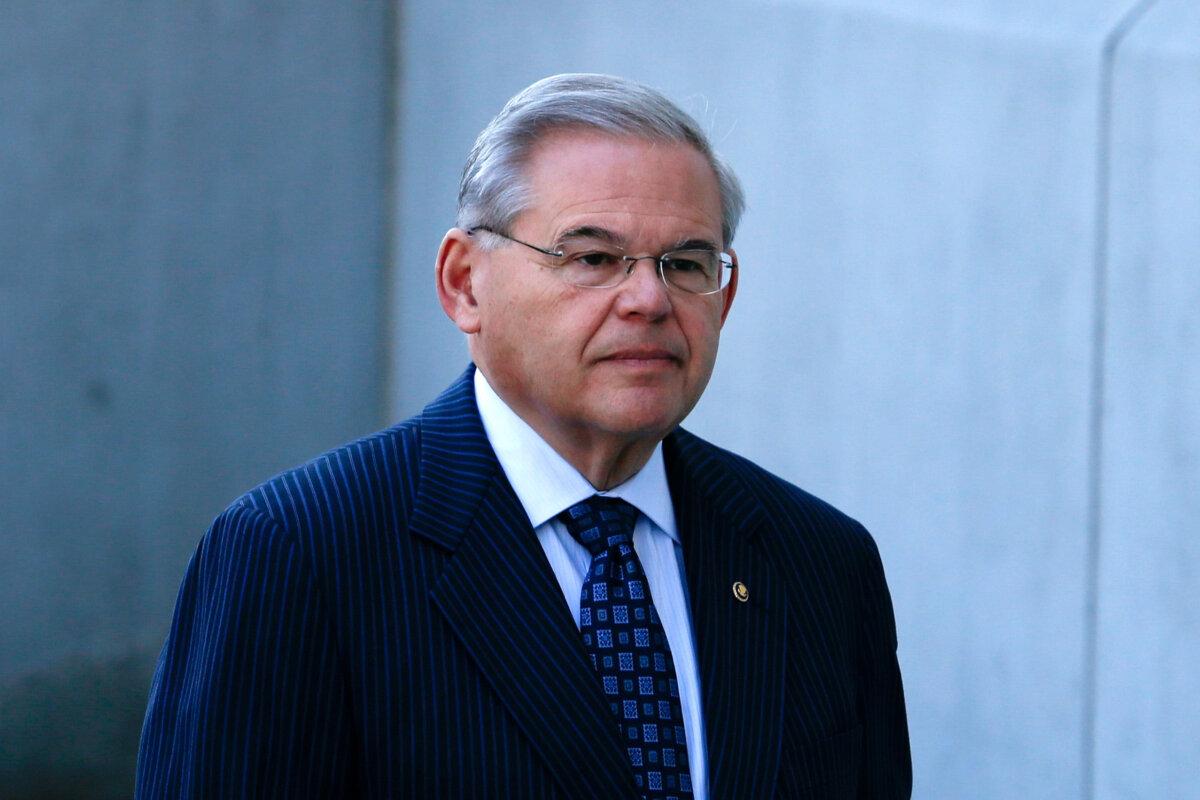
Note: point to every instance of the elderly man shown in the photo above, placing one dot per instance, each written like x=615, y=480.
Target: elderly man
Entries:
x=541, y=586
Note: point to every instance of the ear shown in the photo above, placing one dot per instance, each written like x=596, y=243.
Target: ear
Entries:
x=455, y=262
x=731, y=289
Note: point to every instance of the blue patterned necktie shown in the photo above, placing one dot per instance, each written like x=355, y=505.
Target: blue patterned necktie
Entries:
x=622, y=634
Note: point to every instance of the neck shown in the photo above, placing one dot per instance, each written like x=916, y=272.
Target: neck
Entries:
x=605, y=459
x=604, y=465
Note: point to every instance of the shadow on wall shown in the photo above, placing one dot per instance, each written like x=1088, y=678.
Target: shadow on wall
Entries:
x=70, y=731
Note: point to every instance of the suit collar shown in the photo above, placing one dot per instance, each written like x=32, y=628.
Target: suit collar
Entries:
x=740, y=646
x=692, y=462
x=457, y=465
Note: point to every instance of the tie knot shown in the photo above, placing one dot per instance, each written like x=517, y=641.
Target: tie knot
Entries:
x=599, y=523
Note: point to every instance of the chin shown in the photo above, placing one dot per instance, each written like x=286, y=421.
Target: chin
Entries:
x=642, y=421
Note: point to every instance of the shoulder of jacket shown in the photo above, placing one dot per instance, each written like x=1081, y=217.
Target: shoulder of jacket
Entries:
x=380, y=464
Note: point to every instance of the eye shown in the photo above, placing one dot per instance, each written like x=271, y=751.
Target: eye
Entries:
x=596, y=259
x=698, y=262
x=682, y=265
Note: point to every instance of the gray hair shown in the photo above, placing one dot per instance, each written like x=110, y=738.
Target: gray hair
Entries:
x=493, y=193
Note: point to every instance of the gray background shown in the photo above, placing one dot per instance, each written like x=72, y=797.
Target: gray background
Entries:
x=969, y=315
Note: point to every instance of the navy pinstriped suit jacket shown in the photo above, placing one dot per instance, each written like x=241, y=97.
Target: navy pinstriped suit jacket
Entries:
x=338, y=634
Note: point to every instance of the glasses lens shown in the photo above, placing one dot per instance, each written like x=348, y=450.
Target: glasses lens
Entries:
x=696, y=271
x=592, y=265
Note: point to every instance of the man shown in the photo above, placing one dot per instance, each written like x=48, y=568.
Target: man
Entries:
x=541, y=586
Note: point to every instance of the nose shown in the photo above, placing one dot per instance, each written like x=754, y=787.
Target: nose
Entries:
x=643, y=291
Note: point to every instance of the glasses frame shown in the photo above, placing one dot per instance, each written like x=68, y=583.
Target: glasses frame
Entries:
x=631, y=261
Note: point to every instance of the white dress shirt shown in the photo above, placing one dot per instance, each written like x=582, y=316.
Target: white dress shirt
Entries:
x=547, y=485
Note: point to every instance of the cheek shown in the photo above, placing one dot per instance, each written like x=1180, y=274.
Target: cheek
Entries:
x=507, y=310
x=533, y=339
x=702, y=330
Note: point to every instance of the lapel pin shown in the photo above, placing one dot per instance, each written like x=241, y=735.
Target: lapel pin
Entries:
x=740, y=592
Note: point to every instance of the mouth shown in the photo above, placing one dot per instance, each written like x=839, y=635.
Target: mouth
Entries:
x=642, y=356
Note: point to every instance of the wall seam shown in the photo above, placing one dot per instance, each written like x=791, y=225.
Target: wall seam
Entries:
x=1112, y=41
x=386, y=346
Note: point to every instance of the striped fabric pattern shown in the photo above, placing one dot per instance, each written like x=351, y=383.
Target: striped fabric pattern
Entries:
x=329, y=639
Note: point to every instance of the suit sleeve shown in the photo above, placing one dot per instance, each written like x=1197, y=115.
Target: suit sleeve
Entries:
x=247, y=698
x=886, y=759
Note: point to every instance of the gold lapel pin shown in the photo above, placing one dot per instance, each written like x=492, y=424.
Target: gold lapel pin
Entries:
x=740, y=591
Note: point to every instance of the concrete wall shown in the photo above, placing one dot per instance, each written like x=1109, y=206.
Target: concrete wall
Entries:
x=967, y=316
x=194, y=216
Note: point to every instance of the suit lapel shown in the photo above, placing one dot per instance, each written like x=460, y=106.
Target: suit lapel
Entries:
x=740, y=646
x=502, y=601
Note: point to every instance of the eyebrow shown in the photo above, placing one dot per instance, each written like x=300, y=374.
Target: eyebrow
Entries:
x=615, y=239
x=590, y=232
x=693, y=244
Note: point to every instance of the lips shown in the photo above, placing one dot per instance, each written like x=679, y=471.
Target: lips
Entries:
x=641, y=354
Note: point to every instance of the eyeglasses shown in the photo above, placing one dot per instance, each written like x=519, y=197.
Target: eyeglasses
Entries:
x=593, y=263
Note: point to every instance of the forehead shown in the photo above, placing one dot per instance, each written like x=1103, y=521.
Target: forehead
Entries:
x=632, y=186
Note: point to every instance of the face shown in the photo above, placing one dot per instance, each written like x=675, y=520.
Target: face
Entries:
x=627, y=362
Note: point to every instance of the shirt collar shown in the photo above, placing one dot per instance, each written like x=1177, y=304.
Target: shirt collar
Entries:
x=543, y=480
